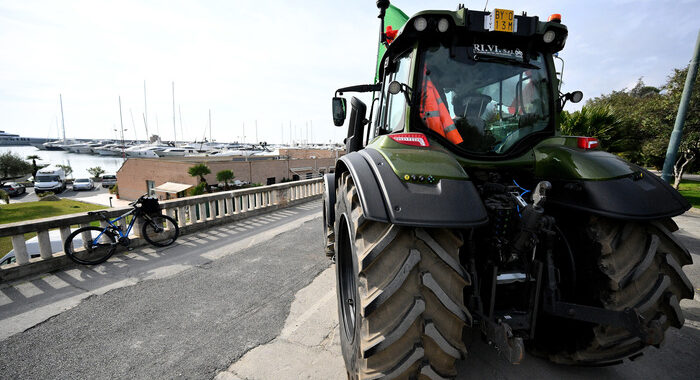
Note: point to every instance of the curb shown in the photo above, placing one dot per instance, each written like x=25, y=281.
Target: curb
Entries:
x=693, y=211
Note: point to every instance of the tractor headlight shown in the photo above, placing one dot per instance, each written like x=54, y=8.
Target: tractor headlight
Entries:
x=420, y=24
x=549, y=36
x=443, y=25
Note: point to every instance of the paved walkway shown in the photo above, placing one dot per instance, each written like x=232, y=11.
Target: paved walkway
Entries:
x=104, y=199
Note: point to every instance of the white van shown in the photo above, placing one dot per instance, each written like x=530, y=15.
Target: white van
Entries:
x=51, y=178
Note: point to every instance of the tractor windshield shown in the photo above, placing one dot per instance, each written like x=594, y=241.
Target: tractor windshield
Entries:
x=483, y=98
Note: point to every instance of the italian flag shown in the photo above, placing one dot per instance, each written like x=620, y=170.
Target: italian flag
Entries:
x=394, y=18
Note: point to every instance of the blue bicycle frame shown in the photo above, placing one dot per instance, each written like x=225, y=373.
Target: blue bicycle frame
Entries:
x=114, y=227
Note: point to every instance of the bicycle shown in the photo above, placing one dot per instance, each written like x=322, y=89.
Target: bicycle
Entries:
x=159, y=230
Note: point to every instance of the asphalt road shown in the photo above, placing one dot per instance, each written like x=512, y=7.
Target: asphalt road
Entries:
x=69, y=193
x=190, y=324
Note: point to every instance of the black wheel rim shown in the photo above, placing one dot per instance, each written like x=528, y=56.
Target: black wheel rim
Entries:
x=346, y=281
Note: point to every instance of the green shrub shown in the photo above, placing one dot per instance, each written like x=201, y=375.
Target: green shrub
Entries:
x=199, y=189
x=45, y=194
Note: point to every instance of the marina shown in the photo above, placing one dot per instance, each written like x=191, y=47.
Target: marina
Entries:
x=80, y=163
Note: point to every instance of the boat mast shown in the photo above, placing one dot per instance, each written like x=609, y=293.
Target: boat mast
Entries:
x=174, y=126
x=133, y=125
x=210, y=139
x=63, y=123
x=121, y=122
x=182, y=131
x=145, y=111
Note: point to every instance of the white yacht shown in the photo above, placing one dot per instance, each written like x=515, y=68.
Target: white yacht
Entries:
x=145, y=150
x=78, y=148
x=109, y=150
x=177, y=151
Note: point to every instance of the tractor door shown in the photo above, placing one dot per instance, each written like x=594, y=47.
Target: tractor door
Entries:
x=392, y=115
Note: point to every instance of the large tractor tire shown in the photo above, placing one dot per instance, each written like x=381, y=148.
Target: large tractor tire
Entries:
x=328, y=232
x=400, y=295
x=620, y=265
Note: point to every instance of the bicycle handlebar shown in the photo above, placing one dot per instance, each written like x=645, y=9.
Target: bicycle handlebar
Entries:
x=138, y=200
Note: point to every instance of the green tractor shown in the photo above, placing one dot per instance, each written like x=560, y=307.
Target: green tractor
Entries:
x=459, y=206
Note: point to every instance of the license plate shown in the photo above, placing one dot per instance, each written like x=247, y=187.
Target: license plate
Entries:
x=503, y=20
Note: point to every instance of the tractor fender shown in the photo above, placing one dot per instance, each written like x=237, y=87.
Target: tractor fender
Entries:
x=384, y=197
x=639, y=196
x=601, y=183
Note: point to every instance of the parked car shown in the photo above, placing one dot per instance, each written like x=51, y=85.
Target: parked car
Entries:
x=109, y=180
x=83, y=184
x=33, y=246
x=13, y=188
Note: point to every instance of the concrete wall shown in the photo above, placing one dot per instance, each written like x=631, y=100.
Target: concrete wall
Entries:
x=133, y=175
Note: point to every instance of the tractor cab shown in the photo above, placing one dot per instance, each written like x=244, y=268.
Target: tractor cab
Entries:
x=482, y=84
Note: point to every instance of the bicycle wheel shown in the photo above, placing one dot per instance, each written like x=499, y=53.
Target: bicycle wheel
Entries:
x=94, y=245
x=160, y=230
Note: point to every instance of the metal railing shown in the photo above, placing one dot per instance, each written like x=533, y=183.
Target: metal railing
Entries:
x=192, y=213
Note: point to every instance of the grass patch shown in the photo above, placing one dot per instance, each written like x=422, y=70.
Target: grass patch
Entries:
x=18, y=212
x=691, y=191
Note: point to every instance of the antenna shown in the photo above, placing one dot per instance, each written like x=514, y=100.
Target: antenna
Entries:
x=486, y=5
x=382, y=5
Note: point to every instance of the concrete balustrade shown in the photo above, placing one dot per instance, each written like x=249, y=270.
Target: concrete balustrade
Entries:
x=192, y=214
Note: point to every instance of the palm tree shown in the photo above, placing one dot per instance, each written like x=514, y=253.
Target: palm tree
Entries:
x=200, y=170
x=96, y=171
x=224, y=176
x=35, y=168
x=601, y=122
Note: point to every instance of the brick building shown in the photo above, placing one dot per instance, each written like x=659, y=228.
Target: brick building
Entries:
x=138, y=176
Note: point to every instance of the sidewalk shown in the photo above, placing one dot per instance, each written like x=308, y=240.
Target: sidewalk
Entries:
x=103, y=199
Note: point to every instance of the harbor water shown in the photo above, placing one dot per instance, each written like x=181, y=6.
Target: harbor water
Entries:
x=79, y=162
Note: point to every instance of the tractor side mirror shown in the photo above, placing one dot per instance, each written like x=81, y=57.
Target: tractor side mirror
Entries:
x=396, y=87
x=576, y=96
x=339, y=111
x=573, y=97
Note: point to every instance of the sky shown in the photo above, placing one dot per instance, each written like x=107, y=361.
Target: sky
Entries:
x=268, y=62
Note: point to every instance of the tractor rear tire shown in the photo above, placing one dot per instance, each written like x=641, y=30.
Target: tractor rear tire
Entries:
x=630, y=264
x=400, y=295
